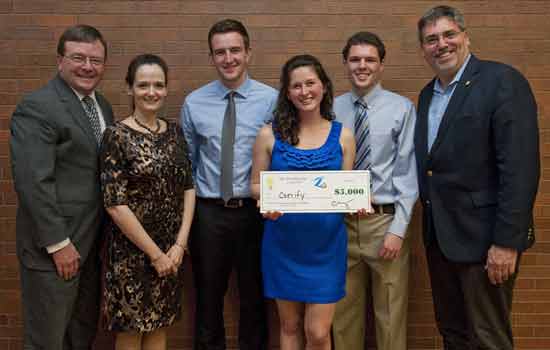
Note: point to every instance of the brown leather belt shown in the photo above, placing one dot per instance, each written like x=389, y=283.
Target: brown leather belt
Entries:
x=232, y=203
x=383, y=208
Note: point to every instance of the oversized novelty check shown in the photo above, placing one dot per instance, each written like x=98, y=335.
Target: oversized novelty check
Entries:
x=314, y=191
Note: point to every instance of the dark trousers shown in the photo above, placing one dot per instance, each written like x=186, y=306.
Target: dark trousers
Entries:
x=222, y=239
x=59, y=314
x=471, y=313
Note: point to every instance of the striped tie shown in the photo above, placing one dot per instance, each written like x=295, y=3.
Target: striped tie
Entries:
x=93, y=116
x=361, y=133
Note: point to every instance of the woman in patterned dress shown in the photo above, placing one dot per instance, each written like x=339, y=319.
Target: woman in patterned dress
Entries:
x=149, y=196
x=304, y=255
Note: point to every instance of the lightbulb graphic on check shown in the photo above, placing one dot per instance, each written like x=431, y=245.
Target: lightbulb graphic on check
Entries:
x=269, y=182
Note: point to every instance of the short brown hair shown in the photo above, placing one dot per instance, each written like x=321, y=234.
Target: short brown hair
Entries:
x=226, y=26
x=435, y=13
x=81, y=33
x=365, y=38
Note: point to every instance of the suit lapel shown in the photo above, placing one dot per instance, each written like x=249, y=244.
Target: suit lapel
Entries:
x=462, y=90
x=75, y=109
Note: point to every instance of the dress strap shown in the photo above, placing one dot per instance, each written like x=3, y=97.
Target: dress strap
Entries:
x=335, y=131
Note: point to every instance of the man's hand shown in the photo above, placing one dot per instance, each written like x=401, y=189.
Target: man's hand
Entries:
x=67, y=261
x=501, y=263
x=391, y=246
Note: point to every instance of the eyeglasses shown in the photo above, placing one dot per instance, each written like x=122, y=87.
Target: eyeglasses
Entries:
x=81, y=60
x=433, y=39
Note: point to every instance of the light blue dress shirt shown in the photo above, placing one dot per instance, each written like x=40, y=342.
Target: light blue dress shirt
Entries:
x=391, y=132
x=439, y=103
x=202, y=119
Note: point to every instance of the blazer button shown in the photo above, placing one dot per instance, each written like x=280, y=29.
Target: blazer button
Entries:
x=427, y=202
x=429, y=173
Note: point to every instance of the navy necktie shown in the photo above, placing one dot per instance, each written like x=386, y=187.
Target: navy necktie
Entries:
x=362, y=144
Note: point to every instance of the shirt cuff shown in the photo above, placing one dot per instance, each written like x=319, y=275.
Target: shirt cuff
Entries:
x=58, y=246
x=398, y=228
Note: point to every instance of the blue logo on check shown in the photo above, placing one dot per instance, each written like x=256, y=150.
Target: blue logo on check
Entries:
x=320, y=182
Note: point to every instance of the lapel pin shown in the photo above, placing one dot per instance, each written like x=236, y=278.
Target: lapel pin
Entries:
x=467, y=83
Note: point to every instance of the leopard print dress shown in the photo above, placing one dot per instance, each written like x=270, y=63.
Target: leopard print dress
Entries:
x=149, y=174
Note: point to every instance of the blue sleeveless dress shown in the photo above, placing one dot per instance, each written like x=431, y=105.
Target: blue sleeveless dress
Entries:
x=304, y=255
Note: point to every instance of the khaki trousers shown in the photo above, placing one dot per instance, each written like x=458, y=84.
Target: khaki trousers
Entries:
x=389, y=279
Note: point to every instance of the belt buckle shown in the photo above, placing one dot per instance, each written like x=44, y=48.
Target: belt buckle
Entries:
x=236, y=204
x=379, y=208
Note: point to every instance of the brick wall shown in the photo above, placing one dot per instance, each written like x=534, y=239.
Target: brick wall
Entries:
x=515, y=32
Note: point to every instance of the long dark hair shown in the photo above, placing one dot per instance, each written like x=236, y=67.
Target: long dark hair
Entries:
x=285, y=117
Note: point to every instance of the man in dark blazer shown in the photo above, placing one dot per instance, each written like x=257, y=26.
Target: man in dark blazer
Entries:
x=477, y=153
x=55, y=136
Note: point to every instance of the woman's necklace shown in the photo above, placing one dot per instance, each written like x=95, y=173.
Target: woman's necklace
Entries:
x=154, y=132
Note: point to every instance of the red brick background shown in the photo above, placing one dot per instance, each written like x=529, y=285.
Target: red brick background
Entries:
x=515, y=32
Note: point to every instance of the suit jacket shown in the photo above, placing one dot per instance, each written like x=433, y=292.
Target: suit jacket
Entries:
x=55, y=167
x=479, y=181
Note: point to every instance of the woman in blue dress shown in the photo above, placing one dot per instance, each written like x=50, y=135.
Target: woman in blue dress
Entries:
x=304, y=255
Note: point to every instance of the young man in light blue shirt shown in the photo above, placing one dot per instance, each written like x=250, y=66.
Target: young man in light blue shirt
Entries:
x=227, y=228
x=378, y=247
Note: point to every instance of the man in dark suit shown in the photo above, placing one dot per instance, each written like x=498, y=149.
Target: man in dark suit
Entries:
x=477, y=153
x=55, y=136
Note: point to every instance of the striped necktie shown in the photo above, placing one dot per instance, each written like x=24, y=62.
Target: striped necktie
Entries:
x=362, y=161
x=93, y=116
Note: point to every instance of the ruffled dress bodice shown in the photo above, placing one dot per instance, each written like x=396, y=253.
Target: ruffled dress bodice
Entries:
x=327, y=157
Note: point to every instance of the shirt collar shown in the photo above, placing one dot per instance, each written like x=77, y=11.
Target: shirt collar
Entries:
x=437, y=86
x=243, y=90
x=80, y=96
x=370, y=97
